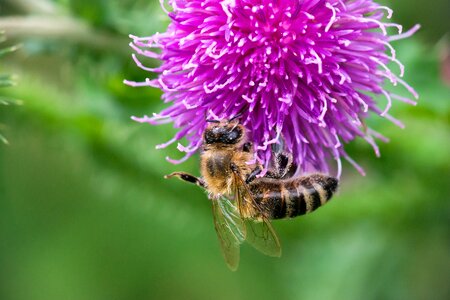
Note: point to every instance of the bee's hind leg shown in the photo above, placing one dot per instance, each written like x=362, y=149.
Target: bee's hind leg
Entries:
x=288, y=167
x=284, y=166
x=187, y=177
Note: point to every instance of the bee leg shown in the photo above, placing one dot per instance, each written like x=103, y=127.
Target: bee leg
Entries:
x=188, y=177
x=284, y=167
x=276, y=148
x=283, y=161
x=234, y=168
x=290, y=170
x=253, y=174
x=272, y=174
x=247, y=147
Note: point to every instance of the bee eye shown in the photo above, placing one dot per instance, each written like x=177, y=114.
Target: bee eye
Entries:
x=233, y=135
x=210, y=137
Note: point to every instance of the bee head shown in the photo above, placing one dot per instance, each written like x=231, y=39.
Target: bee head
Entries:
x=223, y=132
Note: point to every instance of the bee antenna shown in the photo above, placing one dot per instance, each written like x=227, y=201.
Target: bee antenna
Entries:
x=213, y=121
x=239, y=114
x=235, y=117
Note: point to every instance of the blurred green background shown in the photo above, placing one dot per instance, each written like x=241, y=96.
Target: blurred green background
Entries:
x=85, y=213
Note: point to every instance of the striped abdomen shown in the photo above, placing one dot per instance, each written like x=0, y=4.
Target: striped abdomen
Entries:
x=288, y=198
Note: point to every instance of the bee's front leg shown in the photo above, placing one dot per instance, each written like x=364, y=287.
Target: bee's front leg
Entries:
x=247, y=147
x=255, y=172
x=188, y=177
x=250, y=177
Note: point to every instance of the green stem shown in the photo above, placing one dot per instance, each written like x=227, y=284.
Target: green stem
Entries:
x=34, y=6
x=65, y=28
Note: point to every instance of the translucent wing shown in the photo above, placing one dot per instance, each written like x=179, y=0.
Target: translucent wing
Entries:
x=230, y=230
x=263, y=238
x=259, y=232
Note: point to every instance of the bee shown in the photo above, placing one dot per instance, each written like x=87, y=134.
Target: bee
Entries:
x=244, y=203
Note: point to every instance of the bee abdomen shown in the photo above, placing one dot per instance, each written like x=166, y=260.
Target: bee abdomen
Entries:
x=308, y=193
x=290, y=198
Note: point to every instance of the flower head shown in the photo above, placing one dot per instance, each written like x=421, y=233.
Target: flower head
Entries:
x=301, y=71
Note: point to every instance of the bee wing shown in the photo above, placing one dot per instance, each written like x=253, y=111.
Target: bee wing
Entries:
x=259, y=234
x=263, y=237
x=229, y=228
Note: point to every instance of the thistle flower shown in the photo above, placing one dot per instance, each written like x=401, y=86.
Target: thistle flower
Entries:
x=302, y=71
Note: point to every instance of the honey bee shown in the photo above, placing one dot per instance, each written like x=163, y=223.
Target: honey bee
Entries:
x=243, y=203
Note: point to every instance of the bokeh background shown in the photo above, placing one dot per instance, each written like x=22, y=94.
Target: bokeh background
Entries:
x=85, y=213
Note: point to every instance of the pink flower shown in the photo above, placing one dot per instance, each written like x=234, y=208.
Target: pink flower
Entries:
x=305, y=71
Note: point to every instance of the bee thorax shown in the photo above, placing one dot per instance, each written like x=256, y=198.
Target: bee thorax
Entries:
x=216, y=169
